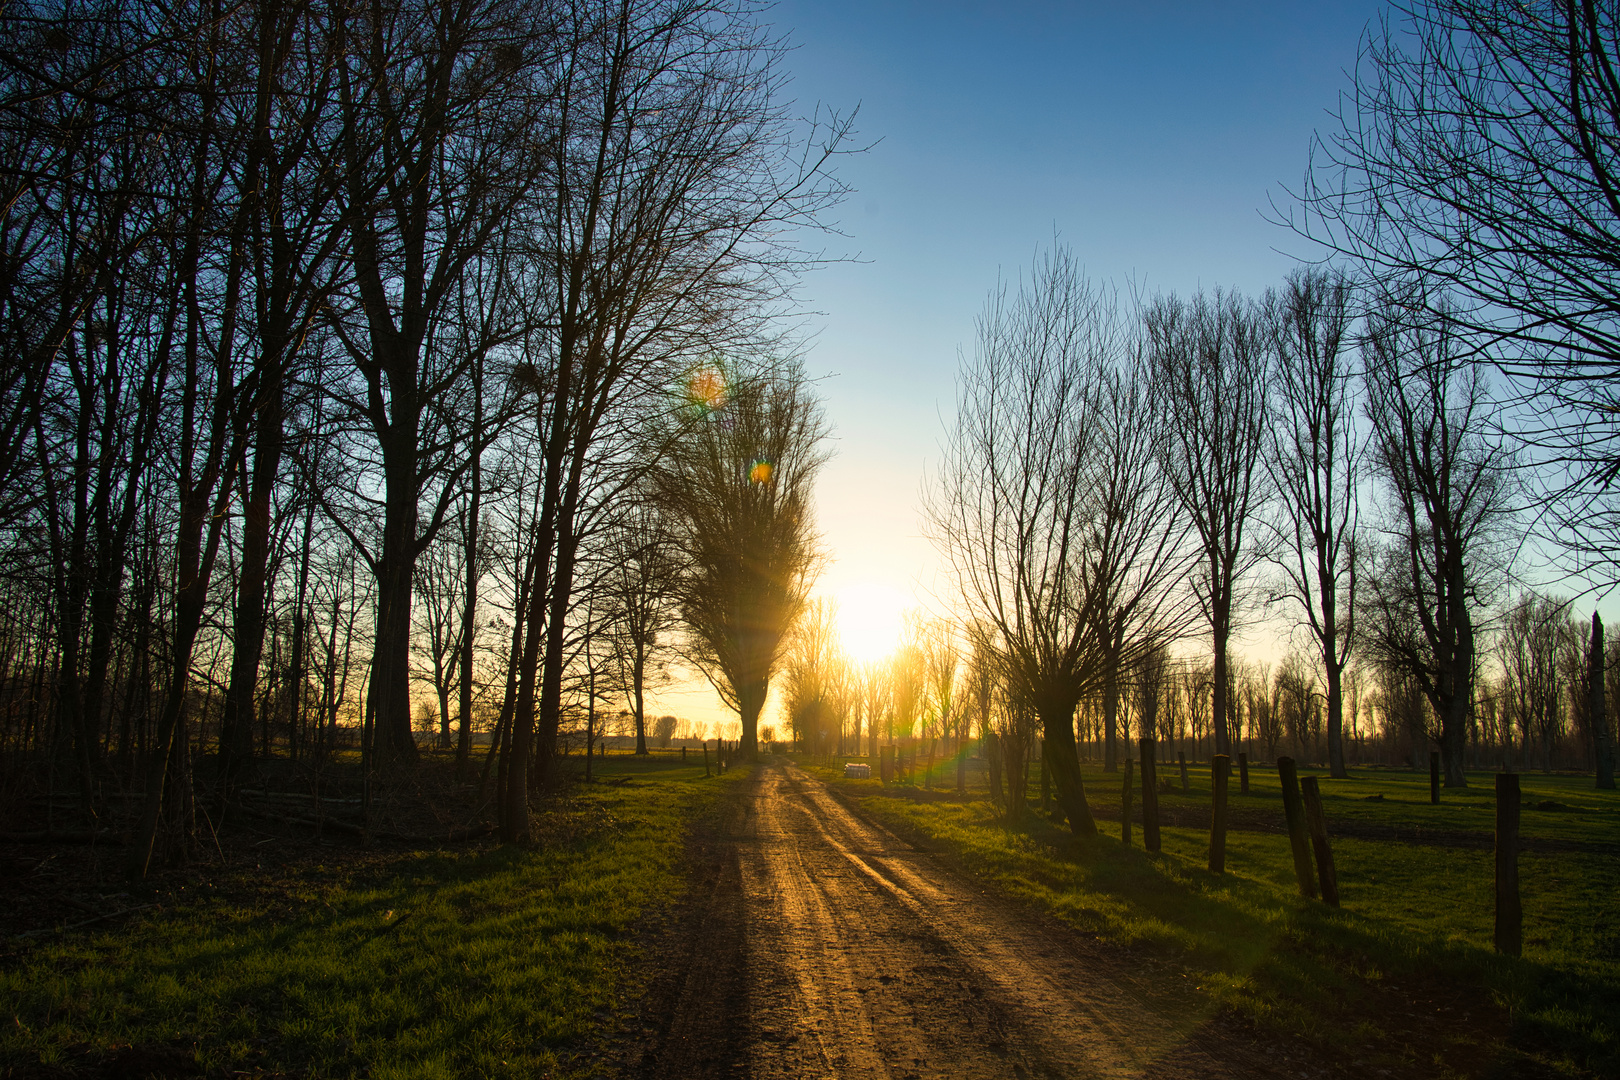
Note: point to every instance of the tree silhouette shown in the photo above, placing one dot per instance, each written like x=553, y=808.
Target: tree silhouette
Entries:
x=735, y=489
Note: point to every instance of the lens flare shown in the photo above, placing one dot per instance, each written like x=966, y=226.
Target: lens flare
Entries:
x=705, y=388
x=761, y=472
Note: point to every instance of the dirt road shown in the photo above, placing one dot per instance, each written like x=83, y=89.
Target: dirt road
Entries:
x=825, y=947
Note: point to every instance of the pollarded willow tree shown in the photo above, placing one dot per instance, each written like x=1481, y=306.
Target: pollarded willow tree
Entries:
x=1015, y=507
x=735, y=489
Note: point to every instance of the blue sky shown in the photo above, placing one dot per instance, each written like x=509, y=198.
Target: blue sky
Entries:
x=1149, y=137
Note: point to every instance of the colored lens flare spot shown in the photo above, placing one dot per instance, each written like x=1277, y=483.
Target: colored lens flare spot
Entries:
x=706, y=387
x=761, y=472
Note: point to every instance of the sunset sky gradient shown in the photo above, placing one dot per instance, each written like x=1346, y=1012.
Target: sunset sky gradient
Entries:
x=1152, y=138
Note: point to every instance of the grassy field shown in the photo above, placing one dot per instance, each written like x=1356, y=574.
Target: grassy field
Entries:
x=1415, y=925
x=491, y=962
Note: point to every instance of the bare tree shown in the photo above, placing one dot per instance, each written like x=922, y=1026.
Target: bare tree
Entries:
x=1212, y=366
x=439, y=594
x=1148, y=681
x=1295, y=696
x=907, y=678
x=810, y=676
x=641, y=597
x=1260, y=704
x=1314, y=456
x=736, y=491
x=1448, y=498
x=1012, y=736
x=876, y=701
x=1528, y=649
x=1013, y=507
x=442, y=114
x=941, y=664
x=292, y=235
x=1478, y=156
x=1136, y=554
x=680, y=179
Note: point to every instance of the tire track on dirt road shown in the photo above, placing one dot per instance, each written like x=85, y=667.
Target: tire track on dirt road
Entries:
x=831, y=949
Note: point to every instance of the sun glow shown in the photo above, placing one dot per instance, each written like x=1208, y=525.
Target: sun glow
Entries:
x=869, y=619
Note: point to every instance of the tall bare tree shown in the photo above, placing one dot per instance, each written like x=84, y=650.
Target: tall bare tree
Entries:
x=679, y=181
x=1212, y=366
x=1528, y=648
x=443, y=119
x=811, y=676
x=942, y=662
x=876, y=701
x=1448, y=494
x=641, y=598
x=1314, y=454
x=1478, y=156
x=1136, y=551
x=288, y=188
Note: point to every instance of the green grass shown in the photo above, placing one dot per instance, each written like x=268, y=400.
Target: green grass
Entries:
x=488, y=963
x=1415, y=916
x=1583, y=813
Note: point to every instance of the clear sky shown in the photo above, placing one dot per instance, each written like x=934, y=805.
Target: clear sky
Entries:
x=1150, y=137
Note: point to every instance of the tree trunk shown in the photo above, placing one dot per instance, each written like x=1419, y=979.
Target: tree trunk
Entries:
x=551, y=673
x=751, y=697
x=1221, y=676
x=469, y=598
x=1110, y=705
x=236, y=724
x=1335, y=721
x=1063, y=758
x=390, y=690
x=638, y=676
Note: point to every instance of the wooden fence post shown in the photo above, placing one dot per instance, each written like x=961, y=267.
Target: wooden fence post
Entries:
x=1218, y=767
x=1181, y=756
x=706, y=771
x=1243, y=774
x=1150, y=796
x=1434, y=777
x=1509, y=912
x=1316, y=819
x=1125, y=806
x=1294, y=813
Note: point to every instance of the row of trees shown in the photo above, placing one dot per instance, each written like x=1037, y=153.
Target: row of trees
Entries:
x=348, y=345
x=1117, y=479
x=1532, y=704
x=1468, y=196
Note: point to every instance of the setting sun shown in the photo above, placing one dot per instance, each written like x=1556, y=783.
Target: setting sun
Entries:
x=869, y=619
